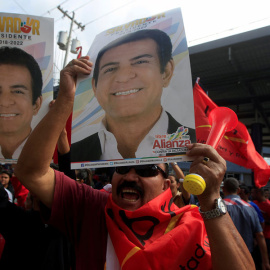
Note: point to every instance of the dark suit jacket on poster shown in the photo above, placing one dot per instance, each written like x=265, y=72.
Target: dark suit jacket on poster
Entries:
x=89, y=149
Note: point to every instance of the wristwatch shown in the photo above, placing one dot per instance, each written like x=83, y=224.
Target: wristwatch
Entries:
x=219, y=210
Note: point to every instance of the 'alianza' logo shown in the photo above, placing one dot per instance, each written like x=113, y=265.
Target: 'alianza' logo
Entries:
x=16, y=25
x=166, y=143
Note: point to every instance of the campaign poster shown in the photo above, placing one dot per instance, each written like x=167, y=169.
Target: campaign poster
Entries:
x=26, y=78
x=137, y=106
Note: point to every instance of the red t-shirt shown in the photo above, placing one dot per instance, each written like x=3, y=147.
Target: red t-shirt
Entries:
x=265, y=209
x=78, y=211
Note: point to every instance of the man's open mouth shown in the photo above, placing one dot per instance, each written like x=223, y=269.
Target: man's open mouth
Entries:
x=125, y=93
x=130, y=195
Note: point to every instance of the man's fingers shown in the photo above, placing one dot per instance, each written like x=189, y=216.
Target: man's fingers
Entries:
x=82, y=65
x=209, y=164
x=204, y=150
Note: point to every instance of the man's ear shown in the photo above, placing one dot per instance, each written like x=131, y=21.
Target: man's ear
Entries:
x=168, y=73
x=37, y=105
x=167, y=183
x=94, y=85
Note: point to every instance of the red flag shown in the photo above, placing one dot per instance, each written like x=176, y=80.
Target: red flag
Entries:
x=155, y=236
x=236, y=146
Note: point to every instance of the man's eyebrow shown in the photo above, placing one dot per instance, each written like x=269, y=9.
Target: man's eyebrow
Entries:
x=19, y=86
x=109, y=64
x=141, y=56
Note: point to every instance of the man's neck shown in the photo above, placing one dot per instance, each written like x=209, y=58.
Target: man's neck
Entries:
x=10, y=142
x=129, y=132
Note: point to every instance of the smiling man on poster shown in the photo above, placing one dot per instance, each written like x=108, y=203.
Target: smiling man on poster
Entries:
x=20, y=99
x=128, y=80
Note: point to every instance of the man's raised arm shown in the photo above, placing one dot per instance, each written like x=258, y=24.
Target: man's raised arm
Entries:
x=33, y=167
x=228, y=249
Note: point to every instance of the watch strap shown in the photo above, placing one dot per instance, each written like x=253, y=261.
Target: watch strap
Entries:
x=216, y=212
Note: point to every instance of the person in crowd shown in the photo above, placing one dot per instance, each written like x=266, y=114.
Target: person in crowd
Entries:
x=132, y=227
x=20, y=99
x=245, y=195
x=20, y=191
x=29, y=243
x=5, y=177
x=128, y=80
x=266, y=193
x=181, y=198
x=264, y=205
x=245, y=219
x=104, y=184
x=82, y=177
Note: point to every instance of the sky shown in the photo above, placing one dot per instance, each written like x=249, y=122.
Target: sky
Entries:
x=204, y=20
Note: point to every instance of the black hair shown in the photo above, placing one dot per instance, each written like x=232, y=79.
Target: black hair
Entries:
x=83, y=175
x=167, y=169
x=163, y=41
x=245, y=188
x=6, y=172
x=17, y=57
x=231, y=184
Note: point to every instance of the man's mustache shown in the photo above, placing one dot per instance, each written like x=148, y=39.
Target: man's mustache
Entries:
x=129, y=184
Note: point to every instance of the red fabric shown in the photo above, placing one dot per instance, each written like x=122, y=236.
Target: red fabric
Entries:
x=236, y=146
x=20, y=191
x=158, y=235
x=103, y=190
x=2, y=244
x=265, y=209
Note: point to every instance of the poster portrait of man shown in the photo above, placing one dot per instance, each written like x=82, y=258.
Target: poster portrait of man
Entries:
x=25, y=81
x=129, y=82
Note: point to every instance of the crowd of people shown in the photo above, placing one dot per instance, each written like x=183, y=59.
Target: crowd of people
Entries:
x=25, y=240
x=26, y=236
x=129, y=217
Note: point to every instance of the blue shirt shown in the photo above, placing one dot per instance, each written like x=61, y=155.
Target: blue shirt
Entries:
x=244, y=218
x=258, y=210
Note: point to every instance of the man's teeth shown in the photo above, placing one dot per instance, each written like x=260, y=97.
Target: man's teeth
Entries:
x=127, y=92
x=7, y=114
x=130, y=195
x=130, y=191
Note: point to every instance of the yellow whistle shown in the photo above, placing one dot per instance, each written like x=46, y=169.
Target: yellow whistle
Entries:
x=194, y=184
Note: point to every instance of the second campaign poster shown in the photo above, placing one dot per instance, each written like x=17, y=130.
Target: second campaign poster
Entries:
x=26, y=78
x=136, y=107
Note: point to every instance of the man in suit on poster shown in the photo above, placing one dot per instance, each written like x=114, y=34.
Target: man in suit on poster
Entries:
x=129, y=76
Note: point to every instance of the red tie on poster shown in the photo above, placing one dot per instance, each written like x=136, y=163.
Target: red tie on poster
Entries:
x=236, y=146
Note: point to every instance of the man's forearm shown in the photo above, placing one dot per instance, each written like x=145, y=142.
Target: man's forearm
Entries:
x=228, y=249
x=33, y=167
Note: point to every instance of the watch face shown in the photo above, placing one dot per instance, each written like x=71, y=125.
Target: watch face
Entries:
x=222, y=206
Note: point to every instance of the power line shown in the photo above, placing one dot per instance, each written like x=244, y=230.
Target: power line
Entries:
x=109, y=12
x=83, y=5
x=71, y=18
x=54, y=8
x=20, y=7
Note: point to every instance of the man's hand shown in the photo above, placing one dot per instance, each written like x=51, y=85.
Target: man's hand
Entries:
x=68, y=75
x=212, y=171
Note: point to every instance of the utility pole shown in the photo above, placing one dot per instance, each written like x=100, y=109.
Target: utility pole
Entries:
x=70, y=30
